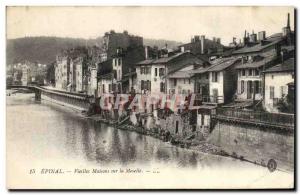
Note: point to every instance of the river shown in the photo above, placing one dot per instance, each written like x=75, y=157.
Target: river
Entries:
x=41, y=134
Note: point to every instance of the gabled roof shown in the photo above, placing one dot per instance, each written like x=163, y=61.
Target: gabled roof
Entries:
x=225, y=63
x=286, y=66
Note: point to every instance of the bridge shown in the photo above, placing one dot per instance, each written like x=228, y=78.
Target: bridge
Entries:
x=75, y=100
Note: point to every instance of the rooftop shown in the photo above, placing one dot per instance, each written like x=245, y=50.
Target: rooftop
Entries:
x=180, y=74
x=223, y=64
x=286, y=66
x=163, y=60
x=257, y=64
x=270, y=41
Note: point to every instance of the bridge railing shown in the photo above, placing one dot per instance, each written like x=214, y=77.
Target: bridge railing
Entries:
x=254, y=116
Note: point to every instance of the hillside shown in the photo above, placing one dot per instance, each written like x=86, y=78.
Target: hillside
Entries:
x=44, y=49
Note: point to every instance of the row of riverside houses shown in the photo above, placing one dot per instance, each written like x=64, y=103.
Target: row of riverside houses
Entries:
x=26, y=72
x=256, y=73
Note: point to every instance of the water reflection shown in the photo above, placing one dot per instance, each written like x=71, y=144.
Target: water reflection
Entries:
x=78, y=138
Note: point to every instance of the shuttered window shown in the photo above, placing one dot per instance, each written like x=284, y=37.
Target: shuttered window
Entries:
x=271, y=92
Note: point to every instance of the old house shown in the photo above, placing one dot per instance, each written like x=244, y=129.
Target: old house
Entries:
x=277, y=80
x=105, y=77
x=62, y=68
x=222, y=81
x=259, y=54
x=113, y=41
x=201, y=45
x=153, y=74
x=123, y=62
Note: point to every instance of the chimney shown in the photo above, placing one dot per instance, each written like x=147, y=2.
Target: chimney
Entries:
x=261, y=35
x=288, y=21
x=146, y=53
x=202, y=43
x=182, y=49
x=218, y=40
x=196, y=38
x=253, y=37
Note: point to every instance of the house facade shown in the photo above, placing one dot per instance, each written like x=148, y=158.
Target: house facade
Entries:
x=158, y=76
x=222, y=81
x=276, y=86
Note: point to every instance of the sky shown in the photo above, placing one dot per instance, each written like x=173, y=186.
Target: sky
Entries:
x=170, y=23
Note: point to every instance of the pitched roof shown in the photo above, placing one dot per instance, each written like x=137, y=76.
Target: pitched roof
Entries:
x=223, y=64
x=179, y=74
x=286, y=66
x=257, y=64
x=199, y=70
x=259, y=47
x=162, y=60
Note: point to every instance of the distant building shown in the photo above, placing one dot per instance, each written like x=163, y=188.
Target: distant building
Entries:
x=113, y=41
x=62, y=69
x=278, y=79
x=26, y=78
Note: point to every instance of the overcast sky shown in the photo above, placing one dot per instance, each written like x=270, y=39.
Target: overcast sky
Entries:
x=172, y=23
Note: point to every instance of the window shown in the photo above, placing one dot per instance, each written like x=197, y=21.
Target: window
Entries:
x=242, y=86
x=119, y=61
x=155, y=71
x=109, y=87
x=189, y=81
x=149, y=85
x=214, y=76
x=256, y=72
x=250, y=72
x=161, y=72
x=141, y=70
x=282, y=91
x=142, y=85
x=271, y=92
x=250, y=85
x=162, y=87
x=256, y=87
x=183, y=81
x=148, y=70
x=103, y=88
x=243, y=72
x=175, y=82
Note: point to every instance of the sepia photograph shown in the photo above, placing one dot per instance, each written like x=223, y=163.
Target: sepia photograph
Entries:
x=150, y=97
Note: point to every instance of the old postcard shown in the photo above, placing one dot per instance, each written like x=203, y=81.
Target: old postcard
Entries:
x=150, y=97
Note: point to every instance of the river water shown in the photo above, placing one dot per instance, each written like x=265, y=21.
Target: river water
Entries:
x=42, y=134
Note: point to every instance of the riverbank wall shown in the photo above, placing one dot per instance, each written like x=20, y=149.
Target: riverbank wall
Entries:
x=254, y=143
